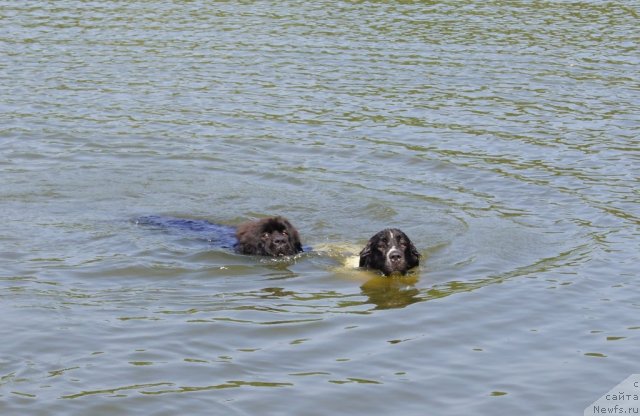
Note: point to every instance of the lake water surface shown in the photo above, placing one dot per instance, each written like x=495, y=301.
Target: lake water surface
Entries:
x=501, y=136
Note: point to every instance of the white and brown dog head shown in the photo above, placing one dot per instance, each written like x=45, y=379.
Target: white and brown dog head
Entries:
x=390, y=251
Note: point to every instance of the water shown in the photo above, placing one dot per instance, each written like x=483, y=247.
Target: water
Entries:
x=502, y=137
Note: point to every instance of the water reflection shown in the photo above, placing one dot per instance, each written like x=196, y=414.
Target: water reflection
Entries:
x=149, y=389
x=391, y=293
x=399, y=292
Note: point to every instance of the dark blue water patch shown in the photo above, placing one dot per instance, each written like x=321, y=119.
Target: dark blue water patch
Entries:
x=217, y=235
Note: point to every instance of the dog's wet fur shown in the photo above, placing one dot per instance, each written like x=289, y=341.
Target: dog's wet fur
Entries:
x=390, y=251
x=273, y=236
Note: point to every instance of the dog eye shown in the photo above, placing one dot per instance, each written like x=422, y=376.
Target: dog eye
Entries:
x=265, y=235
x=285, y=232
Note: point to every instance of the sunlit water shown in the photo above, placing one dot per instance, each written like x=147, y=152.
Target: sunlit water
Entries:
x=502, y=137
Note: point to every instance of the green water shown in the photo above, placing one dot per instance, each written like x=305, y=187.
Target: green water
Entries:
x=501, y=136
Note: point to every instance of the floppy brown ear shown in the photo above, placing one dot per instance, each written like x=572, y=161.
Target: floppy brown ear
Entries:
x=294, y=236
x=297, y=245
x=364, y=255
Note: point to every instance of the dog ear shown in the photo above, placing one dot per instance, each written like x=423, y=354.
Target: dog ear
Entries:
x=365, y=254
x=415, y=255
x=294, y=237
x=297, y=245
x=244, y=248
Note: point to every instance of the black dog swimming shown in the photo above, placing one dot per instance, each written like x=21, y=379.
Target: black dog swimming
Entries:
x=272, y=236
x=390, y=251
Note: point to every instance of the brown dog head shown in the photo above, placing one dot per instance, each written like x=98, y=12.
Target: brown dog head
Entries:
x=273, y=236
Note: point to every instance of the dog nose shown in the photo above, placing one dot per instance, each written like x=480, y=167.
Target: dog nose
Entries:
x=280, y=240
x=395, y=257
